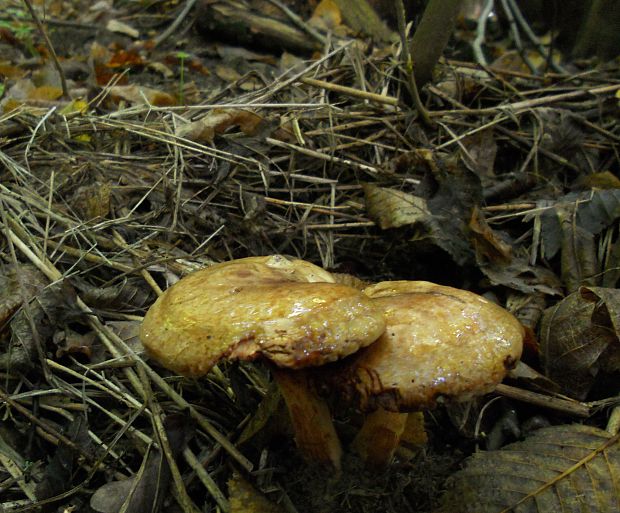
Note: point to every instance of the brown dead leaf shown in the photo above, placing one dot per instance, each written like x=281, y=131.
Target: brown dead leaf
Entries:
x=577, y=335
x=519, y=274
x=18, y=284
x=391, y=208
x=578, y=466
x=601, y=180
x=72, y=342
x=141, y=95
x=244, y=498
x=122, y=28
x=487, y=243
x=219, y=121
x=479, y=151
x=59, y=472
x=93, y=201
x=146, y=490
x=226, y=73
x=125, y=59
x=11, y=72
x=326, y=16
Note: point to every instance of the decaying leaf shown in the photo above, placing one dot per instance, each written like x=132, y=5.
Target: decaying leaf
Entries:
x=479, y=151
x=18, y=284
x=58, y=475
x=141, y=95
x=42, y=311
x=244, y=498
x=326, y=16
x=488, y=244
x=93, y=201
x=122, y=28
x=519, y=275
x=146, y=490
x=558, y=468
x=391, y=208
x=579, y=260
x=219, y=121
x=579, y=339
x=71, y=342
x=271, y=419
x=443, y=208
x=123, y=295
x=592, y=211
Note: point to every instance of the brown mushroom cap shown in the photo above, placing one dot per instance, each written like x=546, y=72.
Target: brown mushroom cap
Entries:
x=283, y=310
x=439, y=342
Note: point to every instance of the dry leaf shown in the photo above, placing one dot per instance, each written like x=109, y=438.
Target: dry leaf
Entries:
x=263, y=417
x=577, y=335
x=219, y=121
x=488, y=245
x=326, y=16
x=532, y=471
x=519, y=274
x=145, y=491
x=391, y=208
x=122, y=28
x=93, y=201
x=72, y=342
x=226, y=73
x=59, y=472
x=244, y=498
x=480, y=153
x=18, y=284
x=142, y=95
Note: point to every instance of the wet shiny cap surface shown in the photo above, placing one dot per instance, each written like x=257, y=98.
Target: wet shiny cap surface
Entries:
x=285, y=310
x=439, y=342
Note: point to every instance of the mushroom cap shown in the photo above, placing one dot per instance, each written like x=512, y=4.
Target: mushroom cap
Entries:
x=439, y=342
x=288, y=311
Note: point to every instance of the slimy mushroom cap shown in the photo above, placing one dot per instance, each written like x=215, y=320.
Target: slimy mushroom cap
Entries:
x=280, y=309
x=439, y=342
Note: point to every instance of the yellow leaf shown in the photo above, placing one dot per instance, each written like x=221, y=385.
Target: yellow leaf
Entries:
x=327, y=14
x=74, y=106
x=391, y=208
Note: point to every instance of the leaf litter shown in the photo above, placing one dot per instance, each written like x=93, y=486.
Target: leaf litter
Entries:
x=167, y=161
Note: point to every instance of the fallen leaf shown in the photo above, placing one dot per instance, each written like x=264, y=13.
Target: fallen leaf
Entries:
x=391, y=208
x=72, y=342
x=326, y=16
x=59, y=472
x=145, y=491
x=557, y=468
x=479, y=151
x=576, y=337
x=489, y=246
x=244, y=498
x=122, y=28
x=141, y=95
x=219, y=121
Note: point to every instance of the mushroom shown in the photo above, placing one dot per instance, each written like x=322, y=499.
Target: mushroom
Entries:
x=288, y=312
x=440, y=343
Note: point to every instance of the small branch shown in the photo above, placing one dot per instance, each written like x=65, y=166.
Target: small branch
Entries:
x=554, y=403
x=480, y=33
x=175, y=24
x=409, y=71
x=48, y=43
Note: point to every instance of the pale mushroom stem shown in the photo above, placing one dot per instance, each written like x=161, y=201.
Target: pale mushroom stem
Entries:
x=314, y=430
x=379, y=437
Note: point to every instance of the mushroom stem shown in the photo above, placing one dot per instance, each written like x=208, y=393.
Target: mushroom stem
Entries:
x=314, y=430
x=379, y=437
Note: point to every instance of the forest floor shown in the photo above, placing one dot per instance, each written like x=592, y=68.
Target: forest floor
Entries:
x=174, y=146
